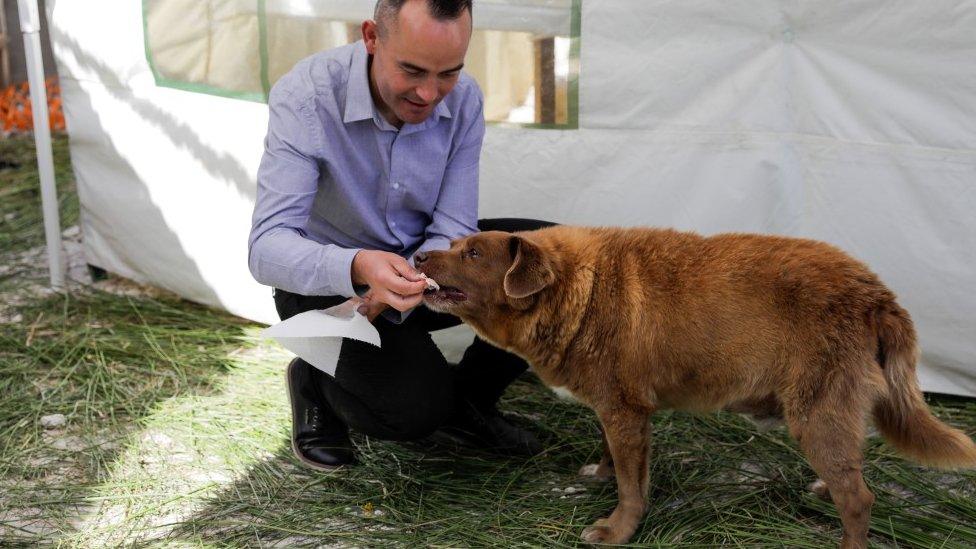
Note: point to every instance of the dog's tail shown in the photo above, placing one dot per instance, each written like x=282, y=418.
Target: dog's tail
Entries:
x=902, y=416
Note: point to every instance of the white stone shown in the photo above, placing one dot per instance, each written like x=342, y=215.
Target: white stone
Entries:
x=53, y=421
x=589, y=469
x=16, y=319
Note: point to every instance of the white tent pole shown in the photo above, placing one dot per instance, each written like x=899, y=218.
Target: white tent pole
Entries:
x=30, y=25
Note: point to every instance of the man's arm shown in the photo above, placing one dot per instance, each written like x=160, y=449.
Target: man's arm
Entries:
x=279, y=254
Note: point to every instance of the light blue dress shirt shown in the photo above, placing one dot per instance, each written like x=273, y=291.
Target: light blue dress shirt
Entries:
x=337, y=178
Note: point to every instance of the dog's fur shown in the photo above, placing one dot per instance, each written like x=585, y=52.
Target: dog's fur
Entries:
x=630, y=321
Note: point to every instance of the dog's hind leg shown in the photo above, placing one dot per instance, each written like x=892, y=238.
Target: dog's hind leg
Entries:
x=837, y=459
x=830, y=430
x=603, y=470
x=628, y=436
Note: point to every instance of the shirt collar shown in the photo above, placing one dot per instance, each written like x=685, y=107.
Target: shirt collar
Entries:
x=359, y=102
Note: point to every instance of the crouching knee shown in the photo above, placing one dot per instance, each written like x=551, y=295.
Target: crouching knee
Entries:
x=416, y=420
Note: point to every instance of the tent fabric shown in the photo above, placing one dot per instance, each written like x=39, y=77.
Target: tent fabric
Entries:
x=851, y=123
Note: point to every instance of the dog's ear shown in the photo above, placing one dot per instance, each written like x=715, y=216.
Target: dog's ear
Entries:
x=530, y=270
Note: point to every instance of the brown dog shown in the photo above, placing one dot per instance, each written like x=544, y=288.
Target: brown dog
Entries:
x=630, y=321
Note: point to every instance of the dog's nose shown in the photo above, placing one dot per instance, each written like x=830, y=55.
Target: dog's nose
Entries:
x=419, y=258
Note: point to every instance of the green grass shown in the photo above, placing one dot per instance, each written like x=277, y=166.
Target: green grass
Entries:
x=20, y=193
x=177, y=435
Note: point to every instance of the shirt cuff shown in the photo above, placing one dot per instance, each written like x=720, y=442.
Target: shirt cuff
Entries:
x=340, y=270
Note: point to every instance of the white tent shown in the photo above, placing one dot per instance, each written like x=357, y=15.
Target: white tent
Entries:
x=854, y=123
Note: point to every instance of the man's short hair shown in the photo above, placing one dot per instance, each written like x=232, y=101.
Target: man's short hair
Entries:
x=443, y=10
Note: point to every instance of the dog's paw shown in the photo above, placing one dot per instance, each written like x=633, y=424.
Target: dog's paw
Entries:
x=819, y=489
x=598, y=533
x=596, y=471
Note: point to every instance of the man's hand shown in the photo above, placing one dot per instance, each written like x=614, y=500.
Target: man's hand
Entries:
x=391, y=280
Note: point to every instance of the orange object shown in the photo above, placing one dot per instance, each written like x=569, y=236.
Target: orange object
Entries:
x=16, y=114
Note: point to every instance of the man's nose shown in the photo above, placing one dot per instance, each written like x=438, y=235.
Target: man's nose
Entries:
x=427, y=92
x=419, y=258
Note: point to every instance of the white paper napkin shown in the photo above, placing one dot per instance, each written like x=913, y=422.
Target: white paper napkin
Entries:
x=316, y=336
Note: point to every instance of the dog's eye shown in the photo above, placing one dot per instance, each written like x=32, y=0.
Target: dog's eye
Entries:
x=472, y=253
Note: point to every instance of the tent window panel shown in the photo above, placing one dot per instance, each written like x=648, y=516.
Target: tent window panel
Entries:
x=206, y=46
x=523, y=53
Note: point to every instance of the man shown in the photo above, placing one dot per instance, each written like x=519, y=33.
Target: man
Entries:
x=371, y=157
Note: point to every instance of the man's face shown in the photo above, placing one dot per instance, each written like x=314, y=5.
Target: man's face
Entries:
x=416, y=62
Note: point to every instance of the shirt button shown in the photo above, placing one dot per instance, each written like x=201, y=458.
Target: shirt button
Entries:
x=393, y=224
x=396, y=186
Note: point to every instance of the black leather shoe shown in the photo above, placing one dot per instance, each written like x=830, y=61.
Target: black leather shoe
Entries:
x=489, y=430
x=318, y=437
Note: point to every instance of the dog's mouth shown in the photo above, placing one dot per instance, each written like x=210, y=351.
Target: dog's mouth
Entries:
x=445, y=293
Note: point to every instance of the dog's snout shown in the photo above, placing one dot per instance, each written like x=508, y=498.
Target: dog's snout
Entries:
x=420, y=258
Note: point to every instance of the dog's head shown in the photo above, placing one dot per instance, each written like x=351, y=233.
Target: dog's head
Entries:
x=485, y=274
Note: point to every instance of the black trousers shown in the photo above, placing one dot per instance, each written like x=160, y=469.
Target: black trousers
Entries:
x=406, y=389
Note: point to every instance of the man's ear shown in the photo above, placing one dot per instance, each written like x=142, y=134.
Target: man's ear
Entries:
x=530, y=270
x=370, y=33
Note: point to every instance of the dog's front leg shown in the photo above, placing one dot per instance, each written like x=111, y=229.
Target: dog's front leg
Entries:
x=628, y=435
x=600, y=471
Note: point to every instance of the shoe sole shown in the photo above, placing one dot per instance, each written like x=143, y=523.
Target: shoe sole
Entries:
x=294, y=447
